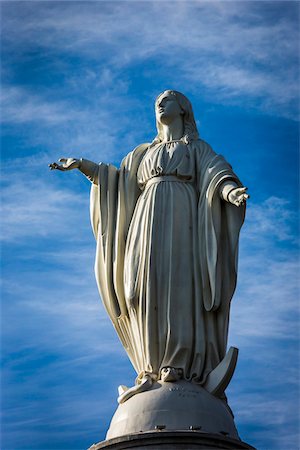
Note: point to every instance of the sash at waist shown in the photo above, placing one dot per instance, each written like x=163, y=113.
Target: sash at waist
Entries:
x=158, y=179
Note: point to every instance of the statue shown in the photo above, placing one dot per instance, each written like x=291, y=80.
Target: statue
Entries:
x=167, y=226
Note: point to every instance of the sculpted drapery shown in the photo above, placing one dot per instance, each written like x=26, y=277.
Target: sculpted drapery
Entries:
x=166, y=255
x=167, y=225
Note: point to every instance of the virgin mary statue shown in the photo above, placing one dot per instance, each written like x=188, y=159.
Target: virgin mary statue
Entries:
x=167, y=225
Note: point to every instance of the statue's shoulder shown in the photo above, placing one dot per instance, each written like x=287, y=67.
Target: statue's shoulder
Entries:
x=135, y=155
x=201, y=147
x=139, y=151
x=200, y=144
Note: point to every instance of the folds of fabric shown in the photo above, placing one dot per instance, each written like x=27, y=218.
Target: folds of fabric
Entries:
x=166, y=258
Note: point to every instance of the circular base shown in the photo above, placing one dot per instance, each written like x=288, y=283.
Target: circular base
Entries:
x=176, y=440
x=173, y=406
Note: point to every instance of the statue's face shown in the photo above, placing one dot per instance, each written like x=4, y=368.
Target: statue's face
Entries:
x=167, y=109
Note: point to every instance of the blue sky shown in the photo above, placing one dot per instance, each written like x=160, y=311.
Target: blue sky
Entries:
x=80, y=79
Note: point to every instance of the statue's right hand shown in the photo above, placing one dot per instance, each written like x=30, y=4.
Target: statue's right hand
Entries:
x=68, y=164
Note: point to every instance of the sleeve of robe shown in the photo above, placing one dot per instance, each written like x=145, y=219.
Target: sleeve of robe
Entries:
x=219, y=224
x=112, y=204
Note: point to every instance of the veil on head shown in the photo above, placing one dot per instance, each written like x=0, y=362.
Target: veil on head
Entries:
x=190, y=132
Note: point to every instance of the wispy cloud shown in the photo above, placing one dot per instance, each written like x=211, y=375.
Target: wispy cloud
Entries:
x=58, y=346
x=268, y=285
x=34, y=209
x=274, y=219
x=267, y=302
x=265, y=326
x=57, y=122
x=270, y=412
x=245, y=50
x=21, y=107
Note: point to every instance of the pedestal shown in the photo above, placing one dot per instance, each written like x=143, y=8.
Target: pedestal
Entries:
x=173, y=415
x=175, y=440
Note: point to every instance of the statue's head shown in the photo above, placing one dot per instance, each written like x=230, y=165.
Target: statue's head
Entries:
x=179, y=105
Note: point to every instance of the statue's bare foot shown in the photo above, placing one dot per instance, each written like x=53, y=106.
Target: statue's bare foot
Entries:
x=170, y=374
x=126, y=393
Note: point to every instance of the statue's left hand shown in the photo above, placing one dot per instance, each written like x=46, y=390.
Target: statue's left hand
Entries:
x=238, y=196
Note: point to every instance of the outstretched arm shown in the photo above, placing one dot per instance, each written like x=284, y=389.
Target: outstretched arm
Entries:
x=234, y=194
x=88, y=168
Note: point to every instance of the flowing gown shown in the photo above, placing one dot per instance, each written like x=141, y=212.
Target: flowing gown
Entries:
x=161, y=269
x=166, y=258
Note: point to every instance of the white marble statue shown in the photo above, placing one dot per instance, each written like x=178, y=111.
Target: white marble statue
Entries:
x=167, y=226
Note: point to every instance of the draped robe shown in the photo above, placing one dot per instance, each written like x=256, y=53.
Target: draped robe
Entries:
x=166, y=257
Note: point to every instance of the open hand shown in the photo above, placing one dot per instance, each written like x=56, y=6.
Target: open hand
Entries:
x=238, y=196
x=68, y=164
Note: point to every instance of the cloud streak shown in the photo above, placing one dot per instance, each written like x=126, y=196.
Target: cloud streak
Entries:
x=34, y=209
x=229, y=52
x=21, y=107
x=274, y=219
x=268, y=285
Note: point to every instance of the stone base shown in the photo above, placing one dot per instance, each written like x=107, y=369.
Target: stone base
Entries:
x=172, y=440
x=173, y=406
x=170, y=416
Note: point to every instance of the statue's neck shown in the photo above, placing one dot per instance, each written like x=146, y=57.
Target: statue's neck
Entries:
x=173, y=131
